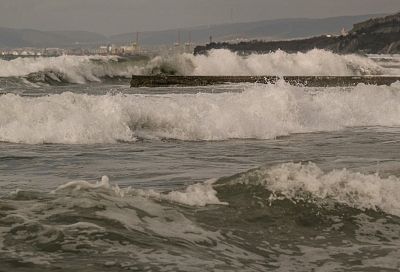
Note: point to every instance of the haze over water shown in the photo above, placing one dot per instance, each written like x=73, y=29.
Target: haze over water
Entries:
x=95, y=176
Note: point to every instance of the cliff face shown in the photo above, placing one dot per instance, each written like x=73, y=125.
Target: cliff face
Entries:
x=375, y=36
x=388, y=24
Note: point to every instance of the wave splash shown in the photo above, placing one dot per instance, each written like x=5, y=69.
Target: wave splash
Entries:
x=313, y=63
x=261, y=111
x=70, y=69
x=81, y=69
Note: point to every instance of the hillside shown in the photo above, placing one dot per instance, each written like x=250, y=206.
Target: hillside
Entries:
x=377, y=35
x=267, y=29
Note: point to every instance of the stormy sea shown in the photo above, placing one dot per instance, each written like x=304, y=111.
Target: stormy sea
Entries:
x=98, y=176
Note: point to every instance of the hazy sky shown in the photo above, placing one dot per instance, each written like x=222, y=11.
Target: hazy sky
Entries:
x=119, y=16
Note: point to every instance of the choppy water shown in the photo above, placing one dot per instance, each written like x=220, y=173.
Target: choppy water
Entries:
x=100, y=177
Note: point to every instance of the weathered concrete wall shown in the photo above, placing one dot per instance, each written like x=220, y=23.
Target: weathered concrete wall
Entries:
x=310, y=81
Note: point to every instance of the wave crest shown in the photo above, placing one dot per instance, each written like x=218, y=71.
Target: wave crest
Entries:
x=200, y=194
x=261, y=112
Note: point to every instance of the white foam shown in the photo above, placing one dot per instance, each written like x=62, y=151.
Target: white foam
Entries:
x=199, y=194
x=363, y=191
x=84, y=185
x=66, y=118
x=314, y=62
x=261, y=111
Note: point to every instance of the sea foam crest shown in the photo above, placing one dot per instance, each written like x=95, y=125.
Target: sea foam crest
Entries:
x=261, y=111
x=298, y=181
x=199, y=194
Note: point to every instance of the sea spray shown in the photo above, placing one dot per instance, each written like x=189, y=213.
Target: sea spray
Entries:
x=81, y=69
x=73, y=69
x=313, y=63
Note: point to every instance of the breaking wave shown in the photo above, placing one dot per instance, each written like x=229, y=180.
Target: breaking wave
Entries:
x=70, y=69
x=81, y=69
x=313, y=63
x=261, y=111
x=299, y=182
x=307, y=182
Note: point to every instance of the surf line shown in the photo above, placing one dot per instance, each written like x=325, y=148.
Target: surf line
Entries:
x=307, y=81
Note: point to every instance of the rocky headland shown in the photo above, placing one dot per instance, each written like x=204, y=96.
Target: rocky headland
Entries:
x=374, y=36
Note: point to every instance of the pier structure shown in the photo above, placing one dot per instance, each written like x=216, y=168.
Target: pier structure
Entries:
x=308, y=81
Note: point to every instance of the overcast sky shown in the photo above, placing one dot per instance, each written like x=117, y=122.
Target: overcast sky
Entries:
x=120, y=16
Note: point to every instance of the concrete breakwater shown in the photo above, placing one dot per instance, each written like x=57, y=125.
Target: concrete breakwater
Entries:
x=310, y=81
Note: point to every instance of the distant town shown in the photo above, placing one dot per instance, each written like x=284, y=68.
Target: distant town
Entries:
x=102, y=50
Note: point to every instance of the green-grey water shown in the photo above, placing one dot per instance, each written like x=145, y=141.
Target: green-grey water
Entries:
x=95, y=176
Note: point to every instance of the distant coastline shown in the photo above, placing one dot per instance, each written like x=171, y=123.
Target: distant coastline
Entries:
x=374, y=36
